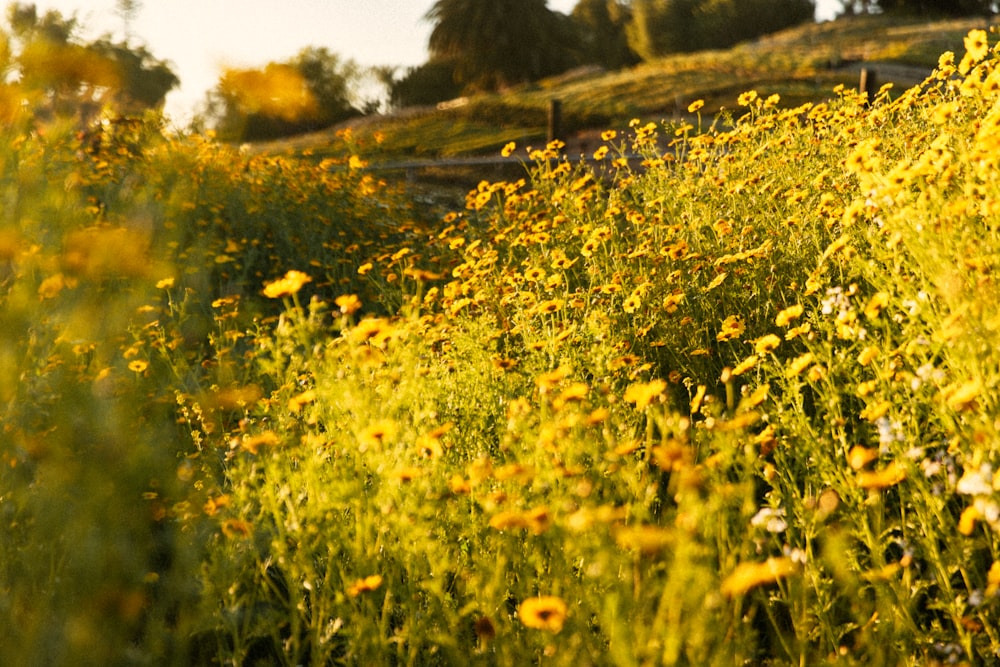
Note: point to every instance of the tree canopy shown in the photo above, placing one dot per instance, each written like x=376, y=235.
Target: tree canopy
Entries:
x=63, y=76
x=311, y=91
x=659, y=27
x=502, y=42
x=941, y=7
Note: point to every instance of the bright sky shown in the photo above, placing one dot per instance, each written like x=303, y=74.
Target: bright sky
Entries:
x=200, y=37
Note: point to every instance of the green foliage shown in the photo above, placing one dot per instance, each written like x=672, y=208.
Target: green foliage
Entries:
x=502, y=43
x=601, y=25
x=660, y=27
x=933, y=7
x=429, y=83
x=312, y=91
x=61, y=76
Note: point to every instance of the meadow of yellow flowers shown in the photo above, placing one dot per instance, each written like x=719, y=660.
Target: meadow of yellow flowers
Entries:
x=737, y=404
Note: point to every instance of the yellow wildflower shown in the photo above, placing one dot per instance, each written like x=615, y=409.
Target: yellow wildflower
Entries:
x=748, y=576
x=788, y=315
x=291, y=283
x=892, y=474
x=732, y=327
x=364, y=585
x=876, y=304
x=867, y=355
x=646, y=540
x=747, y=98
x=766, y=344
x=745, y=365
x=967, y=522
x=642, y=394
x=976, y=45
x=799, y=364
x=962, y=397
x=348, y=303
x=545, y=612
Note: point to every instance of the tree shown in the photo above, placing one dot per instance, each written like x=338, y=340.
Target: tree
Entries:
x=670, y=26
x=430, y=83
x=941, y=7
x=142, y=81
x=660, y=27
x=128, y=10
x=601, y=25
x=64, y=77
x=500, y=43
x=727, y=22
x=310, y=92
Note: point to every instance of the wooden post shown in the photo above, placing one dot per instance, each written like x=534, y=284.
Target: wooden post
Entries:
x=867, y=85
x=555, y=120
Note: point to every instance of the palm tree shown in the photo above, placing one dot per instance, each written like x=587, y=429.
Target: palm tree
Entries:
x=497, y=43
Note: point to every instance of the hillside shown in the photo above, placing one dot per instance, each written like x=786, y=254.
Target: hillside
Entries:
x=800, y=64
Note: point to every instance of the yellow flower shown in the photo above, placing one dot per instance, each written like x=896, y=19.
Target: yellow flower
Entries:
x=745, y=365
x=962, y=397
x=536, y=520
x=867, y=355
x=892, y=474
x=644, y=539
x=166, y=283
x=348, y=303
x=296, y=402
x=967, y=523
x=574, y=392
x=732, y=327
x=138, y=366
x=767, y=343
x=799, y=364
x=545, y=612
x=860, y=456
x=876, y=304
x=365, y=585
x=976, y=45
x=788, y=315
x=748, y=576
x=291, y=283
x=253, y=443
x=642, y=394
x=508, y=149
x=233, y=528
x=747, y=98
x=696, y=106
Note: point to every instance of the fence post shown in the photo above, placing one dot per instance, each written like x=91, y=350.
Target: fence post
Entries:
x=555, y=120
x=867, y=85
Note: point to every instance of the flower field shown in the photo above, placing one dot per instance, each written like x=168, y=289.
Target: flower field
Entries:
x=735, y=405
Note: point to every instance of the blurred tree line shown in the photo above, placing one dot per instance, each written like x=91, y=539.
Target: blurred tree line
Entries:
x=47, y=69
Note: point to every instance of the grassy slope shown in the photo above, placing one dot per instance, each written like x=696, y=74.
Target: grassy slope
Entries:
x=801, y=64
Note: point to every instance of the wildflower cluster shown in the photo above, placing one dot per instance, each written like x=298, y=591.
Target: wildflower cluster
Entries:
x=732, y=401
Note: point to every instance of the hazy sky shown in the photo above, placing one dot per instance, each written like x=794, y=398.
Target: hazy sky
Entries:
x=200, y=37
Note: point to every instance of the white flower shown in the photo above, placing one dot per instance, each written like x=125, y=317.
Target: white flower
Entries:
x=976, y=482
x=771, y=519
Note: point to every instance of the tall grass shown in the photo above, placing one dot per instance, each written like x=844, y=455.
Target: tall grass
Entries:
x=734, y=405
